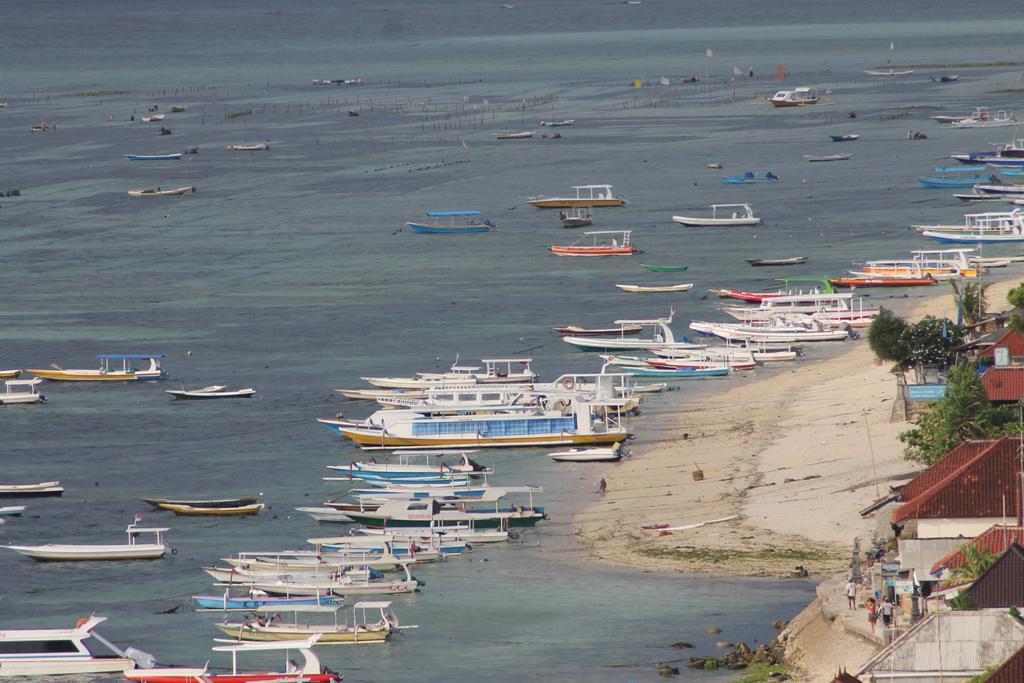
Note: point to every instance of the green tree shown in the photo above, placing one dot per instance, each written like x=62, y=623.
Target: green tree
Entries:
x=963, y=413
x=962, y=602
x=931, y=341
x=1015, y=297
x=972, y=300
x=884, y=337
x=977, y=560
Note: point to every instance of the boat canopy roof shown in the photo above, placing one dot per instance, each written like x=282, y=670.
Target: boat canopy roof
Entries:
x=922, y=252
x=23, y=382
x=371, y=605
x=129, y=356
x=589, y=187
x=272, y=645
x=297, y=608
x=524, y=361
x=730, y=206
x=825, y=282
x=147, y=530
x=439, y=214
x=609, y=232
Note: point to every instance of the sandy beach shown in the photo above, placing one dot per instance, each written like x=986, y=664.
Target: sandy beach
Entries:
x=791, y=457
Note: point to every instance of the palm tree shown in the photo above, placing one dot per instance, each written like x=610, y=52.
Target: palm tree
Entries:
x=971, y=300
x=977, y=560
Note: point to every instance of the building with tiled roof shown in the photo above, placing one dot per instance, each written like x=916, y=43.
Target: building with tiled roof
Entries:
x=996, y=540
x=1011, y=671
x=1004, y=384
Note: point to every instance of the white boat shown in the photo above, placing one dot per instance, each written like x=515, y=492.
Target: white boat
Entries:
x=640, y=289
x=60, y=651
x=45, y=488
x=132, y=550
x=345, y=584
x=662, y=338
x=437, y=535
x=515, y=136
x=799, y=97
x=375, y=394
x=939, y=264
x=722, y=215
x=153, y=118
x=12, y=510
x=326, y=514
x=418, y=463
x=157, y=192
x=889, y=72
x=830, y=308
x=212, y=391
x=21, y=391
x=586, y=195
x=557, y=124
x=826, y=157
x=983, y=118
x=612, y=454
x=260, y=147
x=778, y=330
x=495, y=371
x=9, y=374
x=996, y=226
x=372, y=622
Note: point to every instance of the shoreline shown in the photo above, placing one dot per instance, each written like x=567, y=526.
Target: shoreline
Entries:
x=787, y=454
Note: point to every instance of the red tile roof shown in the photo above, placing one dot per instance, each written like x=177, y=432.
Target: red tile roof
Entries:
x=1011, y=671
x=951, y=462
x=979, y=488
x=1011, y=338
x=996, y=539
x=1004, y=384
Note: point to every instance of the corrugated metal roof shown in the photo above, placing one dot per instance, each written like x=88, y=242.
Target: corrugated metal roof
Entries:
x=951, y=641
x=1002, y=584
x=921, y=554
x=986, y=486
x=996, y=539
x=1003, y=384
x=1012, y=670
x=949, y=463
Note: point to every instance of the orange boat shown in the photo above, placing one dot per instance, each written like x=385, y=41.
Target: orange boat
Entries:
x=882, y=281
x=618, y=246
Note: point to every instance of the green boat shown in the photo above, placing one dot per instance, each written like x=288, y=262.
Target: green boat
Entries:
x=663, y=269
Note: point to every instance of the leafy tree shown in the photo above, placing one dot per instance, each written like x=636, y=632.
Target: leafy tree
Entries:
x=962, y=602
x=963, y=413
x=884, y=336
x=978, y=559
x=984, y=675
x=1015, y=297
x=972, y=300
x=931, y=341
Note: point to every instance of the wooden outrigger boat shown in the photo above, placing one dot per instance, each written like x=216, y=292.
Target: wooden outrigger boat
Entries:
x=154, y=157
x=576, y=217
x=108, y=372
x=433, y=514
x=992, y=226
x=586, y=195
x=132, y=550
x=956, y=176
x=260, y=147
x=722, y=215
x=256, y=599
x=211, y=392
x=372, y=622
x=452, y=226
x=599, y=247
x=791, y=261
x=640, y=289
x=829, y=308
x=854, y=282
x=40, y=490
x=613, y=454
x=177, y=192
x=826, y=157
x=662, y=269
x=193, y=511
x=786, y=330
x=207, y=503
x=371, y=582
x=12, y=510
x=21, y=392
x=495, y=371
x=889, y=73
x=577, y=331
x=9, y=374
x=524, y=135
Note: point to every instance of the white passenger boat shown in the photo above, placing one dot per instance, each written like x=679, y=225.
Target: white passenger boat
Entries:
x=785, y=330
x=42, y=489
x=132, y=550
x=983, y=118
x=991, y=227
x=21, y=391
x=722, y=215
x=345, y=585
x=612, y=454
x=586, y=195
x=35, y=653
x=940, y=264
x=211, y=392
x=798, y=97
x=418, y=462
x=258, y=147
x=495, y=371
x=108, y=370
x=662, y=338
x=467, y=533
x=376, y=394
x=831, y=308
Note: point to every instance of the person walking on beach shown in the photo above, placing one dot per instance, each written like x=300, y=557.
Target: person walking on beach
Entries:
x=886, y=611
x=851, y=593
x=872, y=613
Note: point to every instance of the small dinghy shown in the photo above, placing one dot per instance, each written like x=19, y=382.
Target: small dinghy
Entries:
x=662, y=269
x=261, y=147
x=792, y=261
x=45, y=488
x=157, y=192
x=212, y=391
x=850, y=137
x=612, y=454
x=639, y=289
x=208, y=503
x=12, y=510
x=577, y=331
x=828, y=157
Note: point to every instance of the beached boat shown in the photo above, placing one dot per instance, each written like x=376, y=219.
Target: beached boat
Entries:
x=194, y=511
x=827, y=157
x=557, y=124
x=829, y=308
x=21, y=391
x=157, y=192
x=722, y=215
x=889, y=73
x=259, y=147
x=154, y=157
x=662, y=337
x=58, y=651
x=451, y=222
x=678, y=373
x=108, y=370
x=750, y=178
x=854, y=282
x=799, y=97
x=132, y=550
x=311, y=670
x=849, y=137
x=515, y=136
x=940, y=264
x=204, y=503
x=662, y=269
x=983, y=118
x=211, y=392
x=641, y=289
x=780, y=330
x=791, y=261
x=372, y=622
x=576, y=217
x=586, y=195
x=612, y=454
x=495, y=371
x=40, y=490
x=956, y=176
x=620, y=245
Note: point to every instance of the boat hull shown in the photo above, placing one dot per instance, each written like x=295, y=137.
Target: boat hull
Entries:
x=328, y=636
x=63, y=666
x=593, y=251
x=375, y=439
x=968, y=238
x=204, y=396
x=379, y=522
x=218, y=602
x=95, y=376
x=696, y=222
x=569, y=202
x=69, y=553
x=425, y=229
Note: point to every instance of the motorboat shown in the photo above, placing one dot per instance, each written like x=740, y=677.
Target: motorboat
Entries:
x=153, y=118
x=418, y=463
x=484, y=513
x=783, y=329
x=495, y=371
x=829, y=308
x=939, y=264
x=662, y=337
x=557, y=124
x=108, y=370
x=451, y=222
x=132, y=550
x=586, y=195
x=983, y=118
x=854, y=282
x=956, y=176
x=799, y=97
x=256, y=599
x=21, y=391
x=722, y=215
x=211, y=392
x=791, y=261
x=641, y=289
x=12, y=510
x=577, y=331
x=40, y=490
x=576, y=217
x=599, y=245
x=352, y=582
x=826, y=157
x=888, y=73
x=9, y=374
x=50, y=652
x=157, y=192
x=979, y=228
x=612, y=454
x=523, y=135
x=259, y=147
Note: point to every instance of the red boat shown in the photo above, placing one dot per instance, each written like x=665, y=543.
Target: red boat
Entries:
x=577, y=331
x=854, y=282
x=310, y=672
x=619, y=246
x=754, y=297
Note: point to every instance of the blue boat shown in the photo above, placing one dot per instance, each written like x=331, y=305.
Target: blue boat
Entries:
x=750, y=177
x=154, y=157
x=676, y=373
x=956, y=176
x=452, y=224
x=225, y=602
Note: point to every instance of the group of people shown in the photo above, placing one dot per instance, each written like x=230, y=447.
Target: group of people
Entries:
x=886, y=609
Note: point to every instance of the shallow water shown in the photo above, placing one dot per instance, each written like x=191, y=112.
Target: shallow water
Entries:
x=285, y=271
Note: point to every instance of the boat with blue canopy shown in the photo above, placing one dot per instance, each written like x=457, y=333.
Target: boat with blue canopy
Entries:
x=750, y=178
x=451, y=222
x=956, y=176
x=114, y=367
x=258, y=600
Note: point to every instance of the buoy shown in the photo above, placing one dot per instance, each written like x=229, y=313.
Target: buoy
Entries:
x=189, y=353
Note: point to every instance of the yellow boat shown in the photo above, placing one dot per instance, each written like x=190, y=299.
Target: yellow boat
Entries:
x=372, y=622
x=192, y=511
x=586, y=195
x=108, y=370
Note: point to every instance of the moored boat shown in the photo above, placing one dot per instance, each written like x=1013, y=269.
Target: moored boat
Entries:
x=211, y=392
x=751, y=178
x=40, y=490
x=21, y=391
x=956, y=176
x=157, y=192
x=621, y=245
x=576, y=217
x=826, y=157
x=259, y=147
x=662, y=269
x=523, y=135
x=469, y=223
x=586, y=195
x=154, y=157
x=256, y=599
x=108, y=370
x=204, y=503
x=722, y=215
x=577, y=331
x=50, y=652
x=642, y=289
x=791, y=261
x=848, y=137
x=225, y=511
x=799, y=97
x=9, y=374
x=132, y=550
x=854, y=282
x=372, y=622
x=983, y=118
x=557, y=124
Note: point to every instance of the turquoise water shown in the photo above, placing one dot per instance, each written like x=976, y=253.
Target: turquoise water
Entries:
x=285, y=271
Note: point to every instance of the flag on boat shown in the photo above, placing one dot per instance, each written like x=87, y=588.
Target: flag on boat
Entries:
x=708, y=53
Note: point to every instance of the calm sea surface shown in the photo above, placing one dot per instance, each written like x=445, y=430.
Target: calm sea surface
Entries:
x=287, y=270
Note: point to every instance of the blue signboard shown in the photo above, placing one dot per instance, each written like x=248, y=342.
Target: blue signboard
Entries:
x=925, y=392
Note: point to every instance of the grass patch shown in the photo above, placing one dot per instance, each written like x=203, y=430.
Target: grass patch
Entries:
x=759, y=673
x=101, y=93
x=713, y=556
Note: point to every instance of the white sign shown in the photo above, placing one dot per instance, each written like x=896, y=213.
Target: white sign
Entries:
x=904, y=587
